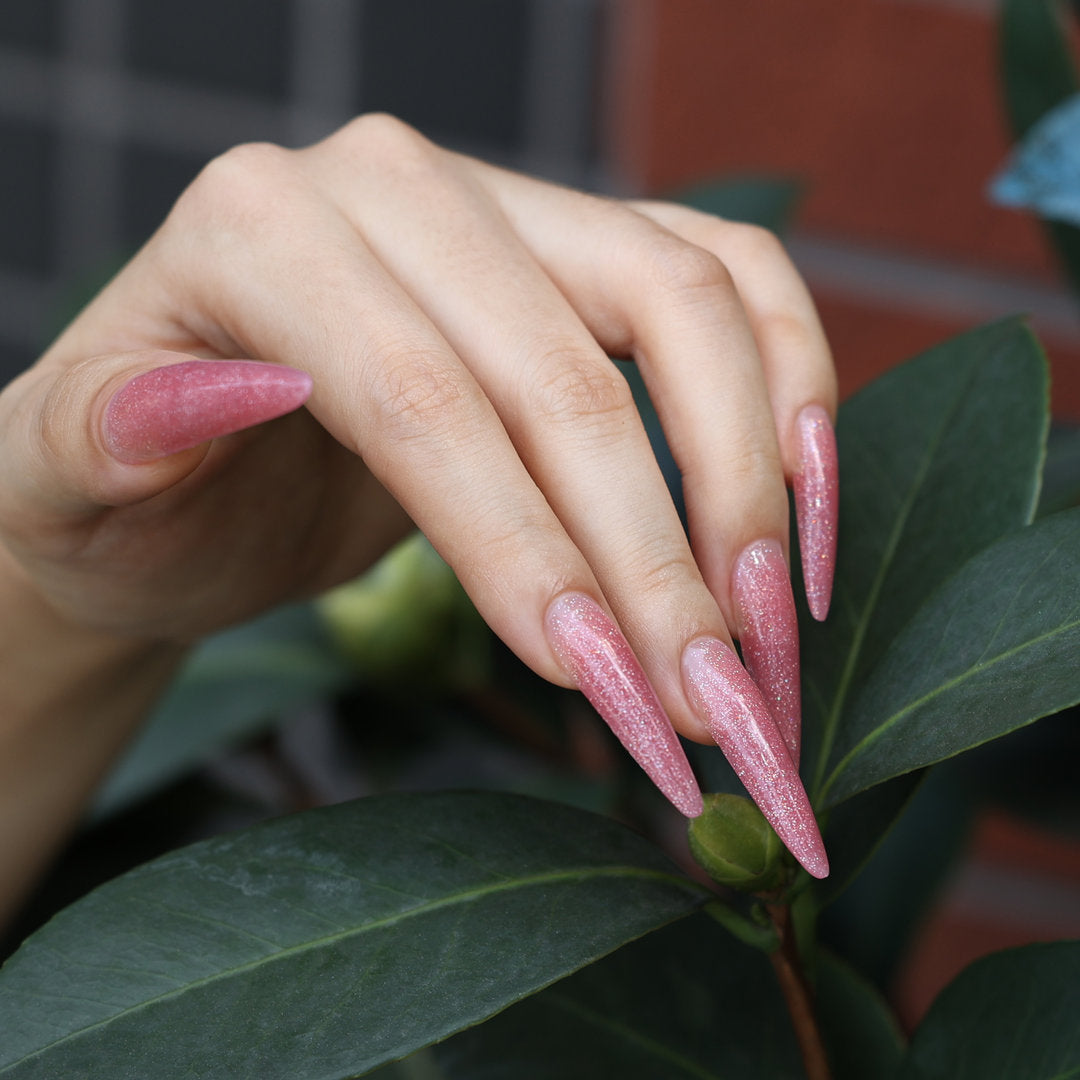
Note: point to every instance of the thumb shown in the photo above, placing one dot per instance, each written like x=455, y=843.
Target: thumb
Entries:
x=117, y=430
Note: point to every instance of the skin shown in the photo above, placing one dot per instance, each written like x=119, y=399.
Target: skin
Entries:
x=457, y=321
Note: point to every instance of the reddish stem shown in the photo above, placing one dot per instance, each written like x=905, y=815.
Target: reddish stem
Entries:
x=787, y=963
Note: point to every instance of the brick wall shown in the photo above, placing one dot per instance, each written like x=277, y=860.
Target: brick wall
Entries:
x=890, y=111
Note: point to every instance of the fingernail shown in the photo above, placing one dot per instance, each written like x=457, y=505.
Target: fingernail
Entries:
x=179, y=406
x=598, y=658
x=769, y=634
x=722, y=691
x=816, y=486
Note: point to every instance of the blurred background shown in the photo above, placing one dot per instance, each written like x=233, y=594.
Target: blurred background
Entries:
x=887, y=112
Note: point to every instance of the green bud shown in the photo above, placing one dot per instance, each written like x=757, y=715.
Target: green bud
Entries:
x=407, y=623
x=736, y=846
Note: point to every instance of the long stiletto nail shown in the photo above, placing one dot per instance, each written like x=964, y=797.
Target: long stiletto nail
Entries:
x=769, y=634
x=728, y=699
x=817, y=505
x=598, y=658
x=179, y=406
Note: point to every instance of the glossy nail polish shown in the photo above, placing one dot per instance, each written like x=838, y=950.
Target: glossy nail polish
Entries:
x=769, y=634
x=723, y=693
x=179, y=406
x=594, y=653
x=816, y=485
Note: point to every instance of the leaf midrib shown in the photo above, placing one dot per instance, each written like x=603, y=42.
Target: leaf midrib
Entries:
x=820, y=785
x=465, y=896
x=950, y=684
x=862, y=625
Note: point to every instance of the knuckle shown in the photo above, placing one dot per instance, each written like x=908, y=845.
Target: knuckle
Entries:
x=415, y=397
x=667, y=576
x=236, y=188
x=570, y=392
x=680, y=267
x=752, y=477
x=787, y=331
x=753, y=464
x=509, y=536
x=384, y=138
x=759, y=243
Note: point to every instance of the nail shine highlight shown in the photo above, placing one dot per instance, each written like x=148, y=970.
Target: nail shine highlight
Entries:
x=176, y=407
x=594, y=653
x=723, y=693
x=769, y=634
x=817, y=498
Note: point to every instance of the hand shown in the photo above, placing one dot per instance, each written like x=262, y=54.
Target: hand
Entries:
x=453, y=323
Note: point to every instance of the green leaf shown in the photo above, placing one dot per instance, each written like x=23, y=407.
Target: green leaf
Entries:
x=876, y=919
x=236, y=684
x=854, y=830
x=938, y=459
x=769, y=201
x=329, y=942
x=1036, y=63
x=862, y=1036
x=686, y=1003
x=994, y=649
x=1061, y=474
x=1038, y=74
x=1010, y=1016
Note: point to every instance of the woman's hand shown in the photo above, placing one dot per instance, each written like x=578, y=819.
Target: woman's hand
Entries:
x=453, y=325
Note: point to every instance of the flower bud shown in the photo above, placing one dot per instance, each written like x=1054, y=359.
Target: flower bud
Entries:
x=407, y=625
x=736, y=846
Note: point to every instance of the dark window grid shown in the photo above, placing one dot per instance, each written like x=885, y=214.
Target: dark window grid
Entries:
x=142, y=141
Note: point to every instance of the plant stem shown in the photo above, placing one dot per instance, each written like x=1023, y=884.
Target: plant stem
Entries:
x=787, y=963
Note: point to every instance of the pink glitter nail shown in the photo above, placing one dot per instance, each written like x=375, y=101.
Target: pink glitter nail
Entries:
x=817, y=505
x=598, y=658
x=179, y=406
x=769, y=634
x=728, y=699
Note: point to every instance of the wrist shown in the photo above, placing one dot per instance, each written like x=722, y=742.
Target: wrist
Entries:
x=70, y=699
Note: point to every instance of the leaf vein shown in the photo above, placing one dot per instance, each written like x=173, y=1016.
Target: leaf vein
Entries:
x=465, y=896
x=950, y=684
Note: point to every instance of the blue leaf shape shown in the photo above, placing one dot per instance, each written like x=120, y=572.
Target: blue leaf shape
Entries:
x=1043, y=173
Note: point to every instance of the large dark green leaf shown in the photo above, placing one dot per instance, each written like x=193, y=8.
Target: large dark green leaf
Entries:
x=854, y=830
x=324, y=944
x=995, y=648
x=875, y=920
x=862, y=1036
x=686, y=1003
x=1010, y=1016
x=937, y=460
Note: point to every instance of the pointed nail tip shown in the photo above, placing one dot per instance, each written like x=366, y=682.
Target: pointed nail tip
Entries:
x=681, y=791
